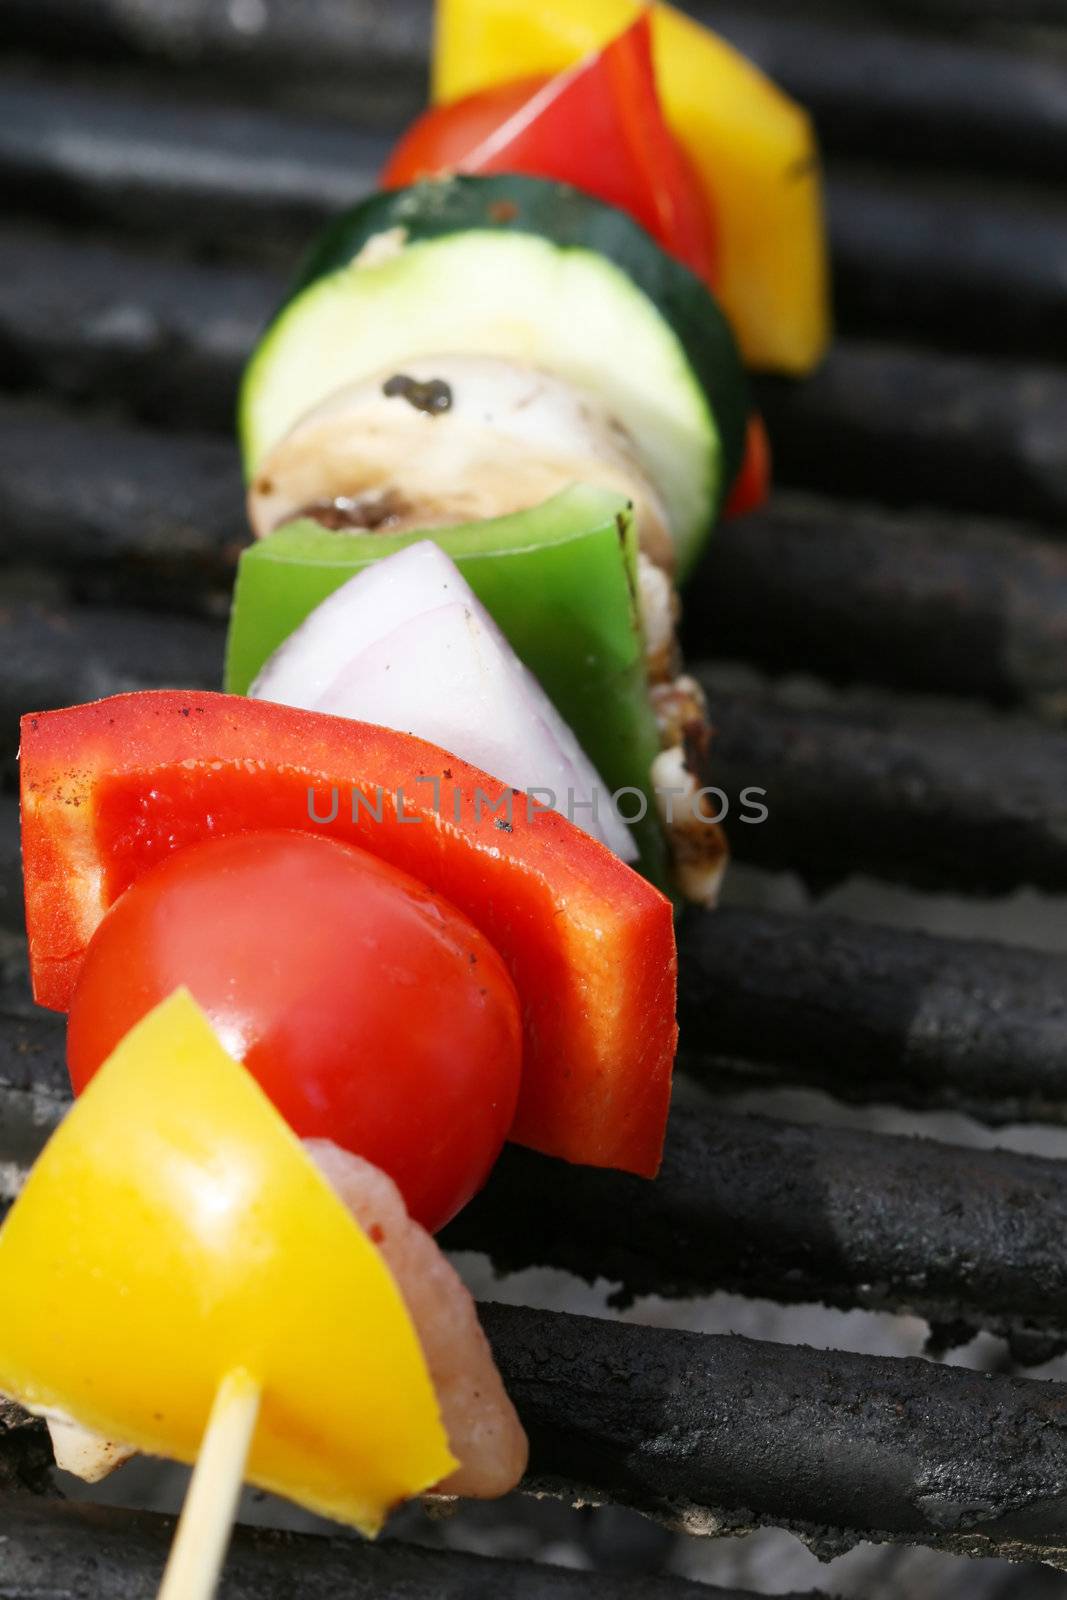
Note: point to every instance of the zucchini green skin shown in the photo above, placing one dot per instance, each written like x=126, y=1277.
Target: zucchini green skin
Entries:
x=569, y=219
x=559, y=581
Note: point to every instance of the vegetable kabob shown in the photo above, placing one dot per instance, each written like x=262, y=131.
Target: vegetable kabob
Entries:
x=461, y=352
x=489, y=430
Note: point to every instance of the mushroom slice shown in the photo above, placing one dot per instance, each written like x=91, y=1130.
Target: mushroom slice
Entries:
x=448, y=439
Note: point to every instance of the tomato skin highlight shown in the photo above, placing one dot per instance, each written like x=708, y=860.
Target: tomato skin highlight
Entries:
x=598, y=126
x=111, y=788
x=369, y=1010
x=441, y=139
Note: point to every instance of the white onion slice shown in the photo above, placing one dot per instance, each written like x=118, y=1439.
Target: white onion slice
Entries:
x=407, y=645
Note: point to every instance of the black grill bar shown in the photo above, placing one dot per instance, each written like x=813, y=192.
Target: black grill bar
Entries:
x=34, y=1095
x=944, y=604
x=353, y=58
x=900, y=96
x=968, y=1239
x=164, y=340
x=720, y=1434
x=875, y=1013
x=66, y=1552
x=198, y=174
x=136, y=512
x=167, y=341
x=892, y=94
x=998, y=16
x=55, y=656
x=11, y=914
x=32, y=1061
x=928, y=602
x=902, y=425
x=937, y=798
x=964, y=800
x=948, y=261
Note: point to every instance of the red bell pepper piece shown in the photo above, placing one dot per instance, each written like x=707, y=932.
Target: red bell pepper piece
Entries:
x=752, y=486
x=110, y=788
x=599, y=126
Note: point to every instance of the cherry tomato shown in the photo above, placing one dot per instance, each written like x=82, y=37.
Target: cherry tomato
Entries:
x=370, y=1010
x=599, y=126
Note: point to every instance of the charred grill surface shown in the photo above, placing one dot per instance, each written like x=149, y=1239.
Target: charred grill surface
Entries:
x=933, y=796
x=965, y=1238
x=875, y=1013
x=165, y=169
x=25, y=1455
x=110, y=509
x=919, y=600
x=31, y=1059
x=960, y=431
x=59, y=656
x=718, y=1433
x=160, y=339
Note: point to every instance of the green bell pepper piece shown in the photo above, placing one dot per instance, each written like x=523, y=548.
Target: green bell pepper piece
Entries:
x=559, y=579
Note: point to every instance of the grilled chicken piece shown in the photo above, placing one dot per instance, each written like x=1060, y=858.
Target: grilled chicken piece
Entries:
x=483, y=1430
x=698, y=845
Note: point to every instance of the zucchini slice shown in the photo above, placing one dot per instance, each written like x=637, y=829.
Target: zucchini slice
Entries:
x=532, y=271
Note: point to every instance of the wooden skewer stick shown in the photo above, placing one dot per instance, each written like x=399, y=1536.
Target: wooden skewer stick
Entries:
x=203, y=1531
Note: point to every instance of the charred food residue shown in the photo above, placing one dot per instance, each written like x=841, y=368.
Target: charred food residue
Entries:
x=434, y=396
x=372, y=512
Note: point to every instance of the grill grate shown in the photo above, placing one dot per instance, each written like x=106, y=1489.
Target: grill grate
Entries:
x=153, y=207
x=876, y=1013
x=49, y=1548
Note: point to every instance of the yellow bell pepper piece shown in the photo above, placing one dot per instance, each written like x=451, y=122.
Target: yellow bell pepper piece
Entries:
x=753, y=147
x=174, y=1231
